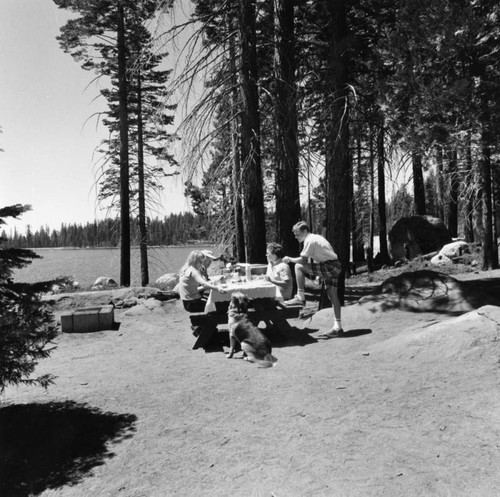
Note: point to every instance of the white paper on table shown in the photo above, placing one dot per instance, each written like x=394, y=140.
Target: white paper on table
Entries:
x=255, y=289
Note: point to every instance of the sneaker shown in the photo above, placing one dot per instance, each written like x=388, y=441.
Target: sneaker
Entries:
x=331, y=334
x=295, y=301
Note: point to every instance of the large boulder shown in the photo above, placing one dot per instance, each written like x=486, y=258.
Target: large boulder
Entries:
x=415, y=235
x=455, y=249
x=441, y=260
x=103, y=283
x=167, y=281
x=64, y=285
x=450, y=253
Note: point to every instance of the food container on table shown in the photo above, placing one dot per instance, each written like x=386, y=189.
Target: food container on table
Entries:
x=253, y=270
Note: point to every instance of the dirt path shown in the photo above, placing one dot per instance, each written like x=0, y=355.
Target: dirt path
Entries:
x=392, y=409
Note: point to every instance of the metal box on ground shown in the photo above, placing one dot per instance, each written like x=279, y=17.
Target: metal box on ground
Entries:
x=88, y=319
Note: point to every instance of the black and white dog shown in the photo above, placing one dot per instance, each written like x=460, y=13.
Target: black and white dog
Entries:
x=256, y=347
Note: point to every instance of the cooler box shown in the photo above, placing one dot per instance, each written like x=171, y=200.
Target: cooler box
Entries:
x=255, y=269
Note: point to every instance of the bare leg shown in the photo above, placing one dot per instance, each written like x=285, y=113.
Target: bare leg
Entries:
x=301, y=278
x=300, y=274
x=334, y=299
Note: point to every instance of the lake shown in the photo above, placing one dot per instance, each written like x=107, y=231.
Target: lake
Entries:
x=86, y=265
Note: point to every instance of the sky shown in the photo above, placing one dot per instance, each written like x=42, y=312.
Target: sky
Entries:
x=48, y=135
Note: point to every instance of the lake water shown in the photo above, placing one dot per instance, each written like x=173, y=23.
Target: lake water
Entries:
x=86, y=265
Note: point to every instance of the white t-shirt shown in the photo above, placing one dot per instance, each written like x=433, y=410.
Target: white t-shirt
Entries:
x=188, y=286
x=318, y=248
x=282, y=272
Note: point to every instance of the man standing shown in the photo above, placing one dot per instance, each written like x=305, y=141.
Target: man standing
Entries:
x=324, y=263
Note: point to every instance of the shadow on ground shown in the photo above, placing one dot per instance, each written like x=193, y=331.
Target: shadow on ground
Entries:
x=284, y=336
x=356, y=332
x=431, y=291
x=50, y=445
x=289, y=336
x=354, y=293
x=482, y=292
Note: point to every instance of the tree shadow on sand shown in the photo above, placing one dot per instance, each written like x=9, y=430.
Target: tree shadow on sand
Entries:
x=53, y=444
x=431, y=291
x=482, y=291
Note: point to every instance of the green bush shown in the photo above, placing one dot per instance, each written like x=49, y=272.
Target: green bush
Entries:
x=27, y=326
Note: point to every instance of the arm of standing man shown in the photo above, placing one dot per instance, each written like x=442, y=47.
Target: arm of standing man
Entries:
x=295, y=260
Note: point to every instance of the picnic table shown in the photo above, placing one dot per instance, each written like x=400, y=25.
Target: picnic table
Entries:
x=265, y=305
x=257, y=288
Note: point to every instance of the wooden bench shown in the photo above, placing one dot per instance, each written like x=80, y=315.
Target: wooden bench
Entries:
x=208, y=322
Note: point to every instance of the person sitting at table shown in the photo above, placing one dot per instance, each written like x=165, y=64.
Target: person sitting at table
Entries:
x=208, y=258
x=278, y=272
x=192, y=283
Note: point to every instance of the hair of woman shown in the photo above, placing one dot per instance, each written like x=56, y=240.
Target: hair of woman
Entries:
x=194, y=259
x=276, y=249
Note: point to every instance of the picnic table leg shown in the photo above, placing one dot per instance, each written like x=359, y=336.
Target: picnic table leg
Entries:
x=206, y=334
x=259, y=306
x=281, y=325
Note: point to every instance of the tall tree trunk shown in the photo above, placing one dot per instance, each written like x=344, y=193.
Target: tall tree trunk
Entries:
x=143, y=232
x=382, y=217
x=254, y=220
x=478, y=215
x=490, y=259
x=309, y=199
x=287, y=152
x=239, y=241
x=469, y=194
x=439, y=183
x=453, y=193
x=124, y=165
x=357, y=227
x=495, y=201
x=418, y=184
x=337, y=166
x=371, y=236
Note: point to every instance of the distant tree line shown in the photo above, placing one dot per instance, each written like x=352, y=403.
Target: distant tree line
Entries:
x=184, y=228
x=175, y=229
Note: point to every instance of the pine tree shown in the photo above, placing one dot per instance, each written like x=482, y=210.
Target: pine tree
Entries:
x=27, y=327
x=101, y=38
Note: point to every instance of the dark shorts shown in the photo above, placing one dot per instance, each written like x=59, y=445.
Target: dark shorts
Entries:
x=196, y=305
x=328, y=271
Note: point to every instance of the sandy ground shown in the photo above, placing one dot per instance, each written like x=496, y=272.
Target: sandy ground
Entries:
x=406, y=404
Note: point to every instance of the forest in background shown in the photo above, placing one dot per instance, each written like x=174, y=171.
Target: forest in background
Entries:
x=175, y=229
x=182, y=228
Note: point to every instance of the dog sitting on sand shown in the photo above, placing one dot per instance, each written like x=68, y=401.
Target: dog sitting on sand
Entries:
x=255, y=346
